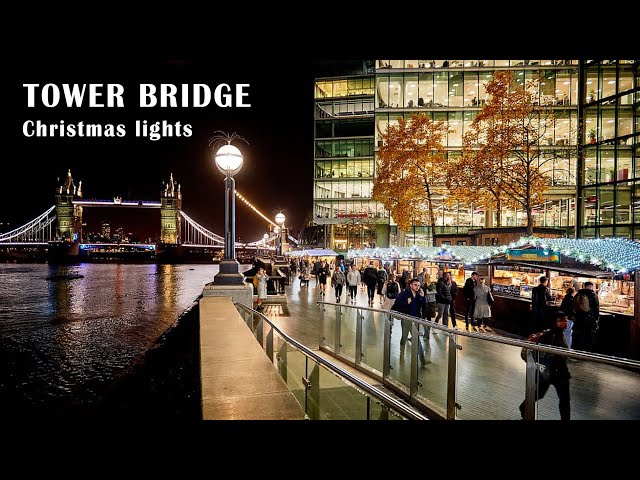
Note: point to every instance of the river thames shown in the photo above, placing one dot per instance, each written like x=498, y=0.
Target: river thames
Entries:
x=64, y=342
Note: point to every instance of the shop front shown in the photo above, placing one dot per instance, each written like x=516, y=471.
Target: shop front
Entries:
x=513, y=271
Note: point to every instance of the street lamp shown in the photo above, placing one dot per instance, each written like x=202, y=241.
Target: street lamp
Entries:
x=229, y=160
x=265, y=237
x=280, y=221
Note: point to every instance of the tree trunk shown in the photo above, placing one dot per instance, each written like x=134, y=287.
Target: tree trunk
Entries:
x=498, y=214
x=529, y=222
x=432, y=216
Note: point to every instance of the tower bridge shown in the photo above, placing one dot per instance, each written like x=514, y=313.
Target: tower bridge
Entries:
x=58, y=230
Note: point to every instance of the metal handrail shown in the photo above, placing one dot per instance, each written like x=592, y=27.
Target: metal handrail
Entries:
x=593, y=357
x=383, y=397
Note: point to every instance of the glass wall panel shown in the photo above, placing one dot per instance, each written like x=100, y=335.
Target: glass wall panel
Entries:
x=563, y=87
x=484, y=79
x=455, y=134
x=605, y=206
x=636, y=203
x=456, y=88
x=590, y=202
x=425, y=90
x=591, y=90
x=623, y=168
x=625, y=123
x=411, y=91
x=471, y=89
x=608, y=123
x=396, y=97
x=623, y=213
x=382, y=91
x=625, y=81
x=608, y=82
x=440, y=89
x=607, y=171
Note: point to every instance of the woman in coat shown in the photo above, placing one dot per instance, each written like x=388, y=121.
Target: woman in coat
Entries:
x=261, y=287
x=482, y=310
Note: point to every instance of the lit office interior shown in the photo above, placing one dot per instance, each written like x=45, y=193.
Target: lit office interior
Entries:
x=610, y=193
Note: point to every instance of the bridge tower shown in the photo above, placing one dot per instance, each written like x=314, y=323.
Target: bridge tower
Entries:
x=171, y=200
x=69, y=216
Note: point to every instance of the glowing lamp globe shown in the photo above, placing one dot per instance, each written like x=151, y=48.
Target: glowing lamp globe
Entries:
x=229, y=159
x=265, y=237
x=280, y=218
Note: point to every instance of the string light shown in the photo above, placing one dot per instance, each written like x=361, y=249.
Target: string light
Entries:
x=619, y=255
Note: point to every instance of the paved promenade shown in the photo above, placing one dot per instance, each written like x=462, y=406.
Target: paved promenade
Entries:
x=490, y=376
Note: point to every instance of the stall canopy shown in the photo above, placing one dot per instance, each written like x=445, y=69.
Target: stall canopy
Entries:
x=619, y=255
x=313, y=252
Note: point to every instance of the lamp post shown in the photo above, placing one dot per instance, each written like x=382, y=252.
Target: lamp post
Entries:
x=276, y=230
x=280, y=218
x=229, y=160
x=265, y=237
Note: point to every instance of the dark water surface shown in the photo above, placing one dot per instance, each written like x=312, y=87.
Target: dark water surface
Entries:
x=64, y=342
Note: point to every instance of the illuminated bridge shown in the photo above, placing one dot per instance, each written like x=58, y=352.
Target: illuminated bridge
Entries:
x=61, y=224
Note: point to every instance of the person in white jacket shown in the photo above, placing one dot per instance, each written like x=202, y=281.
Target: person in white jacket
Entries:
x=353, y=280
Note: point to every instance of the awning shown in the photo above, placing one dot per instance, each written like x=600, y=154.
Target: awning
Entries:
x=313, y=252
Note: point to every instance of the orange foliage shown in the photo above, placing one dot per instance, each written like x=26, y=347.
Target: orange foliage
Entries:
x=409, y=164
x=502, y=161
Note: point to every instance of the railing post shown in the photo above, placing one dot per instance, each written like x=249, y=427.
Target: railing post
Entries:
x=530, y=387
x=338, y=321
x=270, y=344
x=415, y=343
x=312, y=391
x=322, y=339
x=451, y=378
x=358, y=338
x=281, y=356
x=386, y=348
x=259, y=332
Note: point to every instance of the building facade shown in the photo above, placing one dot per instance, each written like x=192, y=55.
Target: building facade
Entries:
x=453, y=91
x=609, y=188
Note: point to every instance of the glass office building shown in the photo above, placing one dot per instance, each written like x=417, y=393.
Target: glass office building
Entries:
x=609, y=191
x=453, y=91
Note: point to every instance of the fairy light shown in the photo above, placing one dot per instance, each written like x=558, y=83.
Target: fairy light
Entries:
x=254, y=208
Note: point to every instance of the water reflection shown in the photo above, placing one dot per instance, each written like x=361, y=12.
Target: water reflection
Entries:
x=63, y=341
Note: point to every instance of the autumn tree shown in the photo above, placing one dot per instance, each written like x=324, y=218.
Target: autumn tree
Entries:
x=503, y=159
x=409, y=165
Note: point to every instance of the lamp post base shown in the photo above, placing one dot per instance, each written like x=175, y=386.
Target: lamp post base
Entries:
x=228, y=274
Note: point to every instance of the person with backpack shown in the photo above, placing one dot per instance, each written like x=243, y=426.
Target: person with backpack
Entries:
x=337, y=281
x=555, y=366
x=381, y=277
x=390, y=291
x=586, y=309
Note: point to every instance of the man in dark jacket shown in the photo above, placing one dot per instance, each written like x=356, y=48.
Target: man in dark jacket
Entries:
x=469, y=297
x=556, y=365
x=370, y=277
x=585, y=323
x=443, y=299
x=540, y=300
x=411, y=302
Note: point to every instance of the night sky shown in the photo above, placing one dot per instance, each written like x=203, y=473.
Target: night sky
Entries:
x=279, y=64
x=277, y=171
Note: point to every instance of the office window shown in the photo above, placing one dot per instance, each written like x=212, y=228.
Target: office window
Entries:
x=411, y=91
x=456, y=88
x=441, y=89
x=455, y=133
x=425, y=90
